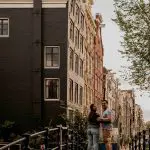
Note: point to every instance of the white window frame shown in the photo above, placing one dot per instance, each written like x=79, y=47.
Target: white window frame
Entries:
x=5, y=36
x=45, y=99
x=48, y=67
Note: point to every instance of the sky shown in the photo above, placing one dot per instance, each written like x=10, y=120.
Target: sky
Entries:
x=112, y=58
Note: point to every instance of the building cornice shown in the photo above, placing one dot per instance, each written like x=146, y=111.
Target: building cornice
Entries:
x=29, y=3
x=90, y=17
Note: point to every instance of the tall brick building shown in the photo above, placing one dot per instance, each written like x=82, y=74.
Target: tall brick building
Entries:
x=98, y=63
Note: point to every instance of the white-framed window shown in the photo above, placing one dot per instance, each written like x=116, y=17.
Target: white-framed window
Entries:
x=81, y=67
x=82, y=20
x=72, y=3
x=81, y=43
x=77, y=14
x=77, y=37
x=71, y=61
x=52, y=57
x=4, y=27
x=52, y=89
x=70, y=90
x=71, y=30
x=76, y=93
x=81, y=96
x=76, y=63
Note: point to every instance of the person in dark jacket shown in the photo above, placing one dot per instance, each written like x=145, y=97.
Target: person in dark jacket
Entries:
x=93, y=129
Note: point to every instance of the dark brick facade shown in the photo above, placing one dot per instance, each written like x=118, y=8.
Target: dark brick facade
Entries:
x=21, y=64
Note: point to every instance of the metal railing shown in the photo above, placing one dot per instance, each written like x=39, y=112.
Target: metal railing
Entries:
x=66, y=139
x=141, y=141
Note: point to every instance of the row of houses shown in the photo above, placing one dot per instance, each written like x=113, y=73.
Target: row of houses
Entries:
x=128, y=116
x=51, y=59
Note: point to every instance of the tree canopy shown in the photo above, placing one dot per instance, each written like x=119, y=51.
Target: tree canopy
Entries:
x=133, y=18
x=147, y=125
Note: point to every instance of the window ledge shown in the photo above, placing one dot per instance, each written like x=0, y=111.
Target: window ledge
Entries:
x=51, y=100
x=51, y=67
x=4, y=36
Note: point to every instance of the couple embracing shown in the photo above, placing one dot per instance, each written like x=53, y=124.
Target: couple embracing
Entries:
x=95, y=122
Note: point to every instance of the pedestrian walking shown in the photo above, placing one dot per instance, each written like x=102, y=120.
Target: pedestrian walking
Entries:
x=93, y=129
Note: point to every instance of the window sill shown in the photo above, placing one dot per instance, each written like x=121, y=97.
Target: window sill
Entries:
x=4, y=36
x=52, y=100
x=51, y=67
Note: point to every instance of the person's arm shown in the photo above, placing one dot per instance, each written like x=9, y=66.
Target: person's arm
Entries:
x=107, y=119
x=98, y=118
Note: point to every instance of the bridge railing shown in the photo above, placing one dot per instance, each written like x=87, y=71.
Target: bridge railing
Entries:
x=65, y=140
x=141, y=141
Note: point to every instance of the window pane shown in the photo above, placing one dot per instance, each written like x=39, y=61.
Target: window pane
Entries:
x=71, y=91
x=72, y=30
x=52, y=57
x=3, y=26
x=48, y=50
x=5, y=21
x=76, y=93
x=55, y=60
x=52, y=89
x=55, y=50
x=5, y=32
x=71, y=63
x=55, y=63
x=76, y=64
x=48, y=60
x=81, y=95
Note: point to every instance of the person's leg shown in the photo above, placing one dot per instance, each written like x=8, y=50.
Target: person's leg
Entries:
x=90, y=139
x=107, y=139
x=95, y=132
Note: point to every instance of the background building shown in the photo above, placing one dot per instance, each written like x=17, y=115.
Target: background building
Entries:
x=93, y=74
x=98, y=63
x=127, y=118
x=139, y=121
x=76, y=59
x=127, y=115
x=111, y=92
x=89, y=56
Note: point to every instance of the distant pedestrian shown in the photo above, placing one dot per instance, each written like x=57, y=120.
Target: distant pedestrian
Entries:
x=93, y=129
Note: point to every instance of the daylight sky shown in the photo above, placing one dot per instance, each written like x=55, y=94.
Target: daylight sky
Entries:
x=112, y=58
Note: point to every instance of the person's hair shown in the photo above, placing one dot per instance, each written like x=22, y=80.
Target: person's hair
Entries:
x=91, y=107
x=105, y=101
x=91, y=112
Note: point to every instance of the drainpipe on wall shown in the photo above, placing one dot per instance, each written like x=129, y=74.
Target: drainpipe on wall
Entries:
x=38, y=53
